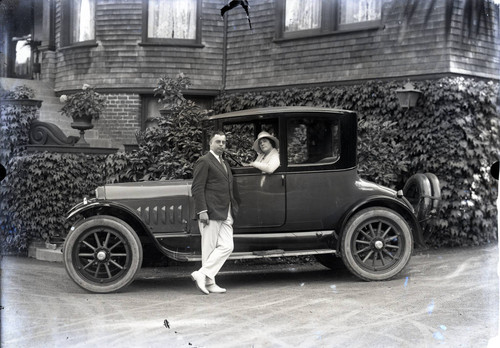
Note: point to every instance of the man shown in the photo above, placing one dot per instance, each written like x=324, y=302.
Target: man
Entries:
x=215, y=207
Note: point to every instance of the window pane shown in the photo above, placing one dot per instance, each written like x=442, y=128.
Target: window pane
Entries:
x=354, y=11
x=240, y=138
x=302, y=14
x=172, y=19
x=83, y=20
x=313, y=141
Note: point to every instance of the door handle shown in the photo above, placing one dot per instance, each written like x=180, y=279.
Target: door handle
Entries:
x=282, y=180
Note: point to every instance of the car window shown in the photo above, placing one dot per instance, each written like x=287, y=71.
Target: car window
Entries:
x=241, y=136
x=312, y=141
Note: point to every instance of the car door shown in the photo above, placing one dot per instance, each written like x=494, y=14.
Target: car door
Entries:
x=261, y=196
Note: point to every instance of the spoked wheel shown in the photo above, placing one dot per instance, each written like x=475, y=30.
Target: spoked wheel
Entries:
x=102, y=254
x=376, y=244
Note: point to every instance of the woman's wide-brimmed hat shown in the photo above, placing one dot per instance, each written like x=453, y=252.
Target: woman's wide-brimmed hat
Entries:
x=264, y=134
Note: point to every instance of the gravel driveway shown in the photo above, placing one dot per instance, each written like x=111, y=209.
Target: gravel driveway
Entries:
x=444, y=298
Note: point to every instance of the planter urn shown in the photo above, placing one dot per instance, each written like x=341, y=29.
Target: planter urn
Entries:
x=82, y=124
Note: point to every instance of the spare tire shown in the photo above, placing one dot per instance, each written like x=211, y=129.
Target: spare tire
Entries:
x=418, y=191
x=435, y=190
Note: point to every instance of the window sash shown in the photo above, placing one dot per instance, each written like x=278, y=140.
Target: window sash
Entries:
x=302, y=15
x=304, y=18
x=359, y=11
x=82, y=21
x=173, y=19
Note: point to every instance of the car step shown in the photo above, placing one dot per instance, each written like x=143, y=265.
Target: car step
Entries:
x=268, y=253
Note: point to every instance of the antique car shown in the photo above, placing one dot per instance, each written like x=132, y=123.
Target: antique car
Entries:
x=315, y=203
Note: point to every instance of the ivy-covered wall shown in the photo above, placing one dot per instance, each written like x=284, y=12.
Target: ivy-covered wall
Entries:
x=453, y=132
x=39, y=191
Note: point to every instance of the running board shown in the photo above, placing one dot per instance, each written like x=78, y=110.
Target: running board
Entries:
x=268, y=253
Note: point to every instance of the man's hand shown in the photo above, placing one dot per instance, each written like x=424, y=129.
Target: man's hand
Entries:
x=203, y=217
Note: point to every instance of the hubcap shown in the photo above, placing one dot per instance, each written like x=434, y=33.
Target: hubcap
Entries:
x=379, y=244
x=101, y=255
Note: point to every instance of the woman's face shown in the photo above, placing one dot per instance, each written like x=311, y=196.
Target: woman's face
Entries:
x=265, y=145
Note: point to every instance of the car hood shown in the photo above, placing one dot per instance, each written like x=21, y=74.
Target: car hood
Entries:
x=144, y=190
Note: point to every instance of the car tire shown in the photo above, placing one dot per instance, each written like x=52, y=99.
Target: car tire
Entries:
x=435, y=190
x=418, y=191
x=102, y=254
x=376, y=244
x=330, y=261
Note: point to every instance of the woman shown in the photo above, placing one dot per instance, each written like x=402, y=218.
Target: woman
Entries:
x=268, y=158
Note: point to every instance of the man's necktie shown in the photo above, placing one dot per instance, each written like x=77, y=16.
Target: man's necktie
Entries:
x=222, y=162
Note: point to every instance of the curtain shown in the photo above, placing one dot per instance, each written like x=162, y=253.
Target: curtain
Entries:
x=359, y=11
x=83, y=20
x=172, y=19
x=302, y=14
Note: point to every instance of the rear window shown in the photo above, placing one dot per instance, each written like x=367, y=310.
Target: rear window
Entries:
x=312, y=141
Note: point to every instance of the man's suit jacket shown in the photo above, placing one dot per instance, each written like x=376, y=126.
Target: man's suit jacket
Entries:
x=212, y=188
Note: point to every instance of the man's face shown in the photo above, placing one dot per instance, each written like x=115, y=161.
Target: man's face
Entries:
x=218, y=144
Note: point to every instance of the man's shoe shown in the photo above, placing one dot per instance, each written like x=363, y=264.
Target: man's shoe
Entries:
x=215, y=289
x=200, y=279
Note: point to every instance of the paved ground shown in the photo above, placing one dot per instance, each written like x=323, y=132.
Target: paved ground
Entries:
x=445, y=298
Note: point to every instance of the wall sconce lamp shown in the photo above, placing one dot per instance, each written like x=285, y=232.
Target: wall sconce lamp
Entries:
x=408, y=96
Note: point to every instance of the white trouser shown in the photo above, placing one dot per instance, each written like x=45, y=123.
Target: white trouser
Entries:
x=216, y=245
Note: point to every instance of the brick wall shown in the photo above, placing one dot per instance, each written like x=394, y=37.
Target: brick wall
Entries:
x=120, y=119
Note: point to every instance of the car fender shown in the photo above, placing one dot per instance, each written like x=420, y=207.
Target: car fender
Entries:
x=383, y=201
x=103, y=207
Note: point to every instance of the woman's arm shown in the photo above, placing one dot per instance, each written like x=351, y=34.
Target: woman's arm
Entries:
x=269, y=164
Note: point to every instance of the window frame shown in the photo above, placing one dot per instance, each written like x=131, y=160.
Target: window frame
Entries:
x=66, y=29
x=330, y=22
x=334, y=122
x=151, y=41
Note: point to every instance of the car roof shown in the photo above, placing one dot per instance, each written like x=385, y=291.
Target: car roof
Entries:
x=281, y=110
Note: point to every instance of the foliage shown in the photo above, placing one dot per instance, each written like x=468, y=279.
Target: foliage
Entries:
x=453, y=132
x=168, y=150
x=20, y=92
x=170, y=90
x=14, y=122
x=86, y=103
x=34, y=200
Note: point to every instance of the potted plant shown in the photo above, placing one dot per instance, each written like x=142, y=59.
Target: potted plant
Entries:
x=83, y=107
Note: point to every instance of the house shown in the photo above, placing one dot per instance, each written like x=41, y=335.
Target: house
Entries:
x=122, y=47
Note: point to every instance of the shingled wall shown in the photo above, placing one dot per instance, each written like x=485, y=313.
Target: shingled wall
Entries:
x=119, y=63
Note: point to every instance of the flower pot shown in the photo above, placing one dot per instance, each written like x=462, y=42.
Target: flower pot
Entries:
x=82, y=124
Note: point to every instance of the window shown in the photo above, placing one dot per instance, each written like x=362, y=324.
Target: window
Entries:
x=172, y=21
x=241, y=136
x=359, y=11
x=312, y=141
x=78, y=22
x=300, y=18
x=302, y=15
